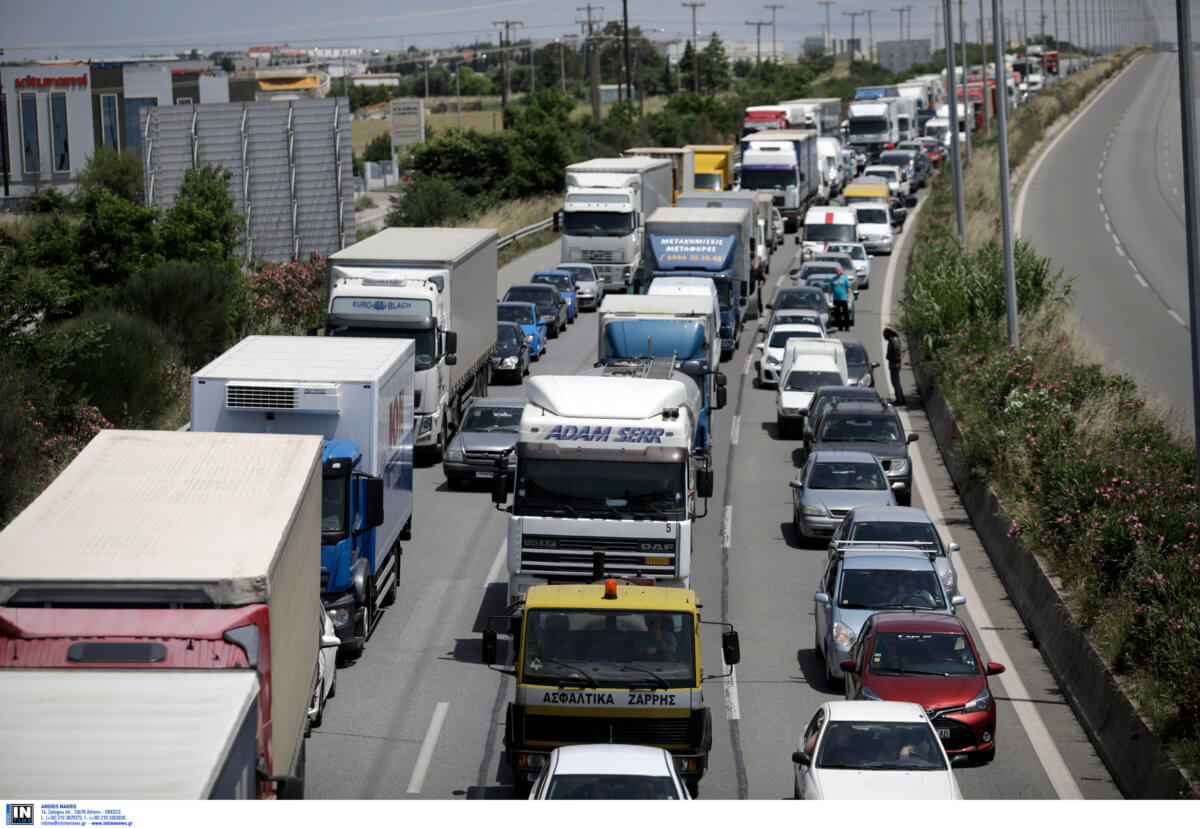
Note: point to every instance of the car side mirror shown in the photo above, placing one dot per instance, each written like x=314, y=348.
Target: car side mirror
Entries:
x=730, y=647
x=499, y=489
x=704, y=482
x=912, y=437
x=760, y=346
x=821, y=598
x=957, y=601
x=489, y=647
x=994, y=669
x=722, y=397
x=849, y=666
x=770, y=306
x=898, y=486
x=330, y=641
x=799, y=757
x=874, y=364
x=796, y=484
x=952, y=547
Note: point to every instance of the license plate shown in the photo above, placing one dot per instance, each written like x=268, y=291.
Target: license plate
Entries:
x=483, y=474
x=943, y=732
x=658, y=561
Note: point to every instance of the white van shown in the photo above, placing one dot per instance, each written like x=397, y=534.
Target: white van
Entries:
x=828, y=224
x=874, y=226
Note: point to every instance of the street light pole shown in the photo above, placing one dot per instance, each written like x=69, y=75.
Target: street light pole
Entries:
x=987, y=105
x=968, y=118
x=828, y=32
x=1010, y=278
x=853, y=18
x=1191, y=191
x=773, y=7
x=955, y=157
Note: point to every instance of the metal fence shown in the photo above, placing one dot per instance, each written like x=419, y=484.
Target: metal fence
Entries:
x=528, y=230
x=290, y=161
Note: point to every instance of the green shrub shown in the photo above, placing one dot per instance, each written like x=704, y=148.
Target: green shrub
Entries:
x=202, y=223
x=380, y=148
x=288, y=297
x=427, y=201
x=116, y=238
x=119, y=173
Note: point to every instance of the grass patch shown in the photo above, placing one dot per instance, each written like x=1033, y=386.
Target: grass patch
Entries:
x=364, y=202
x=522, y=246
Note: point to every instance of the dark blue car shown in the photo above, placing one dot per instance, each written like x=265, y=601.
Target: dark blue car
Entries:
x=565, y=282
x=525, y=314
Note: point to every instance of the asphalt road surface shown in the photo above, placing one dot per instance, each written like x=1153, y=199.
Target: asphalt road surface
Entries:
x=420, y=716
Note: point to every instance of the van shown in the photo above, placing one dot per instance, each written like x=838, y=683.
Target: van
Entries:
x=815, y=362
x=874, y=226
x=828, y=224
x=866, y=191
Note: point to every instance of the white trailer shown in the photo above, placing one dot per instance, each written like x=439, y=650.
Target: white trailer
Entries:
x=822, y=114
x=437, y=287
x=683, y=164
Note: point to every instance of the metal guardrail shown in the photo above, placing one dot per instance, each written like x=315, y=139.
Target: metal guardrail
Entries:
x=544, y=224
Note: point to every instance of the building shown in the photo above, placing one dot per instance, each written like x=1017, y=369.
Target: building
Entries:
x=813, y=46
x=898, y=55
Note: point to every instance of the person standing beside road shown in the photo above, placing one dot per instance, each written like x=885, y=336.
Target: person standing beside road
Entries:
x=840, y=286
x=893, y=361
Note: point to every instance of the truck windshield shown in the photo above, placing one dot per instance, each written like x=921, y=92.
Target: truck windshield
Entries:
x=708, y=181
x=754, y=178
x=621, y=490
x=829, y=232
x=868, y=126
x=611, y=647
x=334, y=496
x=425, y=341
x=597, y=224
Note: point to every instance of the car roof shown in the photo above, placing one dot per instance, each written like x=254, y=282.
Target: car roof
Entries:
x=866, y=392
x=798, y=289
x=876, y=205
x=892, y=514
x=506, y=402
x=552, y=272
x=885, y=557
x=843, y=456
x=513, y=303
x=853, y=408
x=627, y=760
x=784, y=327
x=919, y=622
x=874, y=711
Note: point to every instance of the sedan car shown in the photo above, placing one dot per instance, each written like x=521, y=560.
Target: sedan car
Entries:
x=899, y=525
x=872, y=750
x=511, y=358
x=932, y=661
x=873, y=427
x=587, y=285
x=565, y=283
x=609, y=771
x=551, y=306
x=830, y=484
x=859, y=367
x=525, y=314
x=485, y=442
x=859, y=257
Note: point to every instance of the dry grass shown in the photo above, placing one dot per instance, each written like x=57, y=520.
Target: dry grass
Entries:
x=513, y=215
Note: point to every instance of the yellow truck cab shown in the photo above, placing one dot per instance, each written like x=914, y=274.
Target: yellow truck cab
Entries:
x=609, y=662
x=714, y=166
x=875, y=190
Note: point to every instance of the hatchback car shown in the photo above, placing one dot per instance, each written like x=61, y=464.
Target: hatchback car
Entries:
x=860, y=582
x=859, y=256
x=900, y=525
x=932, y=661
x=872, y=750
x=565, y=282
x=802, y=297
x=511, y=358
x=525, y=315
x=551, y=307
x=587, y=286
x=830, y=484
x=485, y=441
x=605, y=771
x=867, y=426
x=859, y=367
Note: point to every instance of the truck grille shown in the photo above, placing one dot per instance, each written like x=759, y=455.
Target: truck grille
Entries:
x=575, y=729
x=598, y=256
x=260, y=396
x=570, y=558
x=778, y=200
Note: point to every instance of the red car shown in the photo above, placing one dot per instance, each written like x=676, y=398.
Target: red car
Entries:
x=934, y=150
x=931, y=660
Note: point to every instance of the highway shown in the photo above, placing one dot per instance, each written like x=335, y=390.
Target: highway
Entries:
x=420, y=716
x=1106, y=204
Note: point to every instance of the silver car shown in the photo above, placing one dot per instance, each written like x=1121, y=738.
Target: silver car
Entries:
x=488, y=433
x=860, y=582
x=903, y=525
x=587, y=285
x=830, y=484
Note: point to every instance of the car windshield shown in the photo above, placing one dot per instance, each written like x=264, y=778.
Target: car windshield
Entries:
x=891, y=589
x=829, y=232
x=779, y=339
x=811, y=380
x=560, y=282
x=768, y=179
x=846, y=475
x=617, y=489
x=890, y=173
x=707, y=181
x=942, y=654
x=809, y=316
x=881, y=428
x=581, y=274
x=607, y=648
x=513, y=313
x=880, y=746
x=873, y=216
x=856, y=355
x=481, y=417
x=538, y=296
x=506, y=335
x=895, y=160
x=610, y=786
x=800, y=299
x=819, y=280
x=597, y=224
x=818, y=269
x=895, y=532
x=855, y=251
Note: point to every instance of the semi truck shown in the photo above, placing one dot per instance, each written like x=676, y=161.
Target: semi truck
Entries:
x=870, y=93
x=358, y=395
x=612, y=662
x=784, y=163
x=712, y=243
x=822, y=114
x=606, y=204
x=437, y=287
x=714, y=167
x=683, y=164
x=906, y=117
x=760, y=118
x=162, y=551
x=872, y=126
x=606, y=471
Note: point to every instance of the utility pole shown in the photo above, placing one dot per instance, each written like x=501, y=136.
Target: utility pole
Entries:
x=987, y=104
x=562, y=56
x=506, y=47
x=1061, y=56
x=870, y=36
x=758, y=24
x=969, y=119
x=955, y=154
x=900, y=11
x=853, y=18
x=828, y=43
x=1010, y=278
x=937, y=10
x=458, y=94
x=628, y=66
x=773, y=7
x=695, y=47
x=593, y=60
x=1055, y=6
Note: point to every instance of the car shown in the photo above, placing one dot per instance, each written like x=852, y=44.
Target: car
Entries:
x=326, y=685
x=928, y=147
x=875, y=225
x=860, y=370
x=511, y=357
x=609, y=771
x=821, y=276
x=809, y=316
x=830, y=484
x=934, y=149
x=872, y=750
x=839, y=258
x=834, y=393
x=859, y=257
x=552, y=308
x=485, y=442
x=565, y=283
x=802, y=297
x=930, y=660
x=525, y=314
x=912, y=161
x=771, y=349
x=905, y=525
x=873, y=427
x=807, y=365
x=894, y=176
x=587, y=285
x=862, y=581
x=777, y=221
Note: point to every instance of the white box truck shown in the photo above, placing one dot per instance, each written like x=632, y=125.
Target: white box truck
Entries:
x=683, y=165
x=358, y=395
x=822, y=114
x=437, y=287
x=607, y=202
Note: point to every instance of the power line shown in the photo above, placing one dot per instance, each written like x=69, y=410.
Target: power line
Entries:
x=853, y=40
x=758, y=24
x=695, y=47
x=773, y=7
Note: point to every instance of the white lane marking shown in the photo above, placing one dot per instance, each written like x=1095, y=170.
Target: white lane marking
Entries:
x=727, y=526
x=1175, y=190
x=1138, y=276
x=737, y=427
x=494, y=572
x=1100, y=192
x=779, y=281
x=1176, y=317
x=1043, y=743
x=427, y=747
x=1107, y=226
x=746, y=364
x=733, y=711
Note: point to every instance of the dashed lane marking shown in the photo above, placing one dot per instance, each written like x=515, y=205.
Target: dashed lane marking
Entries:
x=737, y=427
x=1176, y=317
x=427, y=747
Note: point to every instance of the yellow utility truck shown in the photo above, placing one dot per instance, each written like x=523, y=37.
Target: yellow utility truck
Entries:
x=714, y=166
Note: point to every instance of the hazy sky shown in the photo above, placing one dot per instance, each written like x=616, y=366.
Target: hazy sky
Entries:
x=109, y=28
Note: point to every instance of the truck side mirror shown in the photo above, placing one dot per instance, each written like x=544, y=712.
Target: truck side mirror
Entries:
x=722, y=397
x=745, y=290
x=730, y=647
x=557, y=224
x=704, y=482
x=499, y=489
x=372, y=501
x=489, y=646
x=451, y=343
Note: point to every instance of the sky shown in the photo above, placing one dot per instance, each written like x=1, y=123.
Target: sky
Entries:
x=66, y=29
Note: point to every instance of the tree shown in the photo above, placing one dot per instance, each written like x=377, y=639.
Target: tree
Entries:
x=714, y=66
x=202, y=223
x=428, y=201
x=116, y=238
x=120, y=173
x=380, y=148
x=687, y=66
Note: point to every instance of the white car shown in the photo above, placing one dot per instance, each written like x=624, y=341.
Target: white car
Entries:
x=807, y=365
x=777, y=220
x=872, y=750
x=326, y=671
x=858, y=254
x=874, y=226
x=784, y=316
x=609, y=772
x=896, y=180
x=771, y=350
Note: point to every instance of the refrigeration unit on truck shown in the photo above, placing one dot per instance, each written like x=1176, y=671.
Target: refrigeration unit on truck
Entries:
x=822, y=114
x=358, y=395
x=437, y=287
x=713, y=243
x=612, y=662
x=163, y=550
x=784, y=163
x=872, y=126
x=683, y=164
x=606, y=473
x=606, y=204
x=763, y=118
x=714, y=167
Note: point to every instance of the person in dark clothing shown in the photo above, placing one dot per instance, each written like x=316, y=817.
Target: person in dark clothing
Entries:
x=893, y=361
